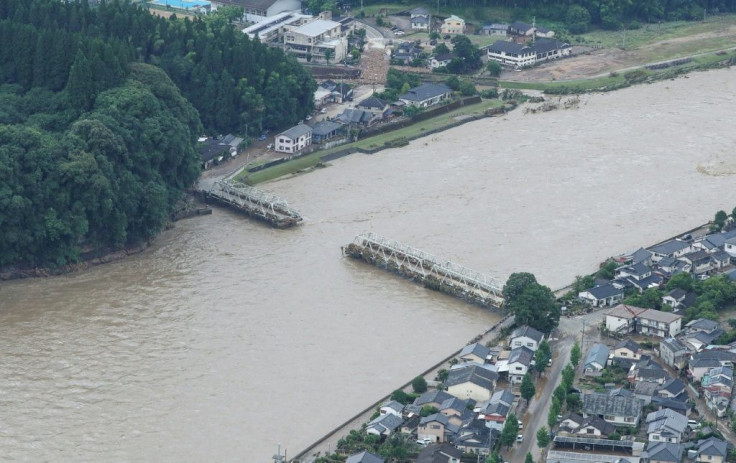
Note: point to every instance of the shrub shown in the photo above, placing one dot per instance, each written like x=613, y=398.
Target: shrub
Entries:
x=489, y=93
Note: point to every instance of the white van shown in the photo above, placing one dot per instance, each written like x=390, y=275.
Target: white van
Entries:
x=693, y=424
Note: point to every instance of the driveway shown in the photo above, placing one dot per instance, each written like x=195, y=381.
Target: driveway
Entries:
x=535, y=416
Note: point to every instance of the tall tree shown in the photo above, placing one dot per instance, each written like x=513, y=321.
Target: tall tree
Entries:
x=510, y=431
x=575, y=354
x=531, y=303
x=527, y=388
x=543, y=437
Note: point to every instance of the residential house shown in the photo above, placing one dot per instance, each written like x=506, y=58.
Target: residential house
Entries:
x=256, y=10
x=474, y=437
x=669, y=266
x=645, y=391
x=432, y=399
x=323, y=131
x=384, y=425
x=364, y=457
x=622, y=318
x=636, y=271
x=406, y=52
x=410, y=425
x=596, y=360
x=658, y=323
x=701, y=363
x=700, y=262
x=673, y=248
x=495, y=30
x=293, y=140
x=378, y=107
x=647, y=370
x=674, y=298
x=438, y=61
x=641, y=255
x=495, y=411
x=720, y=259
x=521, y=28
x=526, y=336
x=211, y=152
x=673, y=353
x=596, y=427
x=420, y=19
x=711, y=450
x=357, y=117
x=318, y=41
x=663, y=452
x=440, y=453
x=457, y=411
x=570, y=423
x=453, y=25
x=697, y=341
x=701, y=325
x=472, y=382
x=520, y=360
x=476, y=352
x=437, y=428
x=342, y=92
x=666, y=426
x=602, y=296
x=426, y=95
x=717, y=386
x=730, y=247
x=617, y=407
x=715, y=241
x=512, y=54
x=638, y=276
x=392, y=407
x=625, y=353
x=671, y=388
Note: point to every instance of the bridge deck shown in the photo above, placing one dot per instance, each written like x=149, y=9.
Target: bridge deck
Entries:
x=447, y=277
x=256, y=203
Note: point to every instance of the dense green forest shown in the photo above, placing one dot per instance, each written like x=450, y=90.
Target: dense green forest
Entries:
x=609, y=14
x=100, y=109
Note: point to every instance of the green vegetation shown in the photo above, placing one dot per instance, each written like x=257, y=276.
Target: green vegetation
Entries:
x=510, y=431
x=527, y=388
x=532, y=303
x=96, y=141
x=528, y=458
x=542, y=356
x=419, y=384
x=398, y=447
x=575, y=354
x=308, y=161
x=543, y=438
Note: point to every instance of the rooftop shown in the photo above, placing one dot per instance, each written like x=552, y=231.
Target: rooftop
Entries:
x=625, y=311
x=425, y=92
x=296, y=131
x=316, y=27
x=527, y=331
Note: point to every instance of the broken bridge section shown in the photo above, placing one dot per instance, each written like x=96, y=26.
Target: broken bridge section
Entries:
x=255, y=203
x=447, y=277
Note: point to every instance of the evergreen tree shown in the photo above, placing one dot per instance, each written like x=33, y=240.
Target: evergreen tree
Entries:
x=79, y=87
x=527, y=388
x=575, y=354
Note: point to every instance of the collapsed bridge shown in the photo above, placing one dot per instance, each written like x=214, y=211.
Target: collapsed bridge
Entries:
x=446, y=277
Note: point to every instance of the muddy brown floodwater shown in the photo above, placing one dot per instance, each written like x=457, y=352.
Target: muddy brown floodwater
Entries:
x=227, y=338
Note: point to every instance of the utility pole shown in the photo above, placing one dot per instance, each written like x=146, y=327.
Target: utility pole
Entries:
x=582, y=337
x=624, y=45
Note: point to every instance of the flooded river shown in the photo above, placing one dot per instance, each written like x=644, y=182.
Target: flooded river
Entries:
x=227, y=338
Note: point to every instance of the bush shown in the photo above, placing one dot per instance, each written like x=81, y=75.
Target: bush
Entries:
x=467, y=88
x=489, y=93
x=397, y=143
x=634, y=25
x=419, y=384
x=635, y=76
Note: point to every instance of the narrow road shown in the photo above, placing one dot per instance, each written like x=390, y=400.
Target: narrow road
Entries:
x=535, y=416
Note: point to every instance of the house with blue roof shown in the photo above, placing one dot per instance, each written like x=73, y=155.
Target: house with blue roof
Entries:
x=596, y=360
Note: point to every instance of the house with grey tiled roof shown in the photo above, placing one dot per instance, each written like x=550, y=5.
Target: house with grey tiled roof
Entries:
x=293, y=140
x=384, y=425
x=520, y=360
x=701, y=363
x=437, y=428
x=666, y=426
x=440, y=453
x=364, y=457
x=392, y=407
x=526, y=336
x=495, y=411
x=625, y=352
x=426, y=95
x=673, y=248
x=475, y=352
x=663, y=452
x=325, y=130
x=432, y=398
x=617, y=409
x=471, y=382
x=602, y=296
x=711, y=450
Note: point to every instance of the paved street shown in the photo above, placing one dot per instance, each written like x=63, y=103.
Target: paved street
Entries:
x=535, y=416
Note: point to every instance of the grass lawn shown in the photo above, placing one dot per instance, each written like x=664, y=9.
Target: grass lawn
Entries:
x=651, y=33
x=310, y=160
x=391, y=8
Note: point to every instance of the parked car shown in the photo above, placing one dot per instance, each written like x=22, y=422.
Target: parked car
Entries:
x=262, y=137
x=399, y=32
x=269, y=146
x=520, y=438
x=322, y=111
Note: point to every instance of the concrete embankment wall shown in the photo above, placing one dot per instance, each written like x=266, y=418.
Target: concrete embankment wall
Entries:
x=345, y=427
